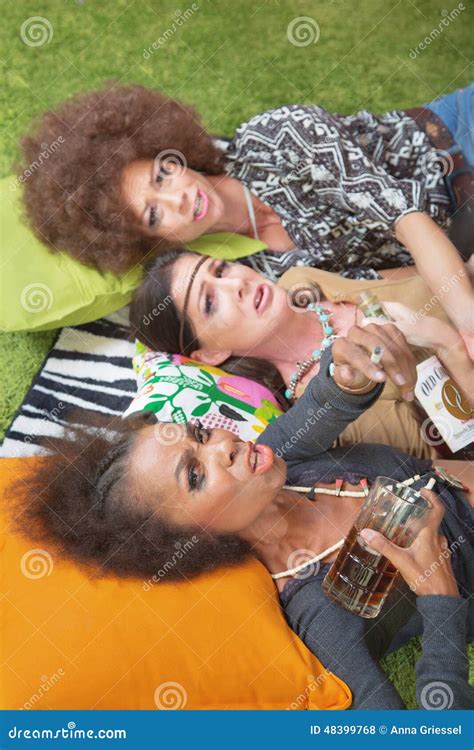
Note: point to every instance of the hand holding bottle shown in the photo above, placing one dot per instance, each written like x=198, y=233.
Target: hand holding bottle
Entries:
x=356, y=372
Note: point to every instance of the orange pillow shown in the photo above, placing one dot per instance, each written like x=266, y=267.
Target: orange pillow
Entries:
x=217, y=642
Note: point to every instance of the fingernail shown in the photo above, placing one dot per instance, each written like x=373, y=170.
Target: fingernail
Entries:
x=368, y=534
x=380, y=375
x=399, y=379
x=409, y=396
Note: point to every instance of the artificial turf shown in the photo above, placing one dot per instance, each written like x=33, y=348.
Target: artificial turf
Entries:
x=231, y=59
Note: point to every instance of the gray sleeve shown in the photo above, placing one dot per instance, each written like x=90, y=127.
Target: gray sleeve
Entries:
x=312, y=424
x=443, y=668
x=351, y=646
x=347, y=645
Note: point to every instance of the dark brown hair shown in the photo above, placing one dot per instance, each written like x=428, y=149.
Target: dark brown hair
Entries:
x=74, y=156
x=80, y=504
x=155, y=321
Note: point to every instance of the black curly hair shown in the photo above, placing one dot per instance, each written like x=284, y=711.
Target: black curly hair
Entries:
x=81, y=504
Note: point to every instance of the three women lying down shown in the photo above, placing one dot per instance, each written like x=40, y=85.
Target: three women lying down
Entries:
x=227, y=314
x=120, y=501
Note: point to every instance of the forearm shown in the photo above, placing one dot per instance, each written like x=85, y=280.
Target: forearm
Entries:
x=439, y=264
x=443, y=669
x=312, y=424
x=454, y=357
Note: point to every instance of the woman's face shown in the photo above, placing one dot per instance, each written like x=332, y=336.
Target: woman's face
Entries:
x=169, y=200
x=232, y=308
x=206, y=478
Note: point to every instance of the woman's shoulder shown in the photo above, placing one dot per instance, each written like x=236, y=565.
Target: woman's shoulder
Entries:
x=300, y=116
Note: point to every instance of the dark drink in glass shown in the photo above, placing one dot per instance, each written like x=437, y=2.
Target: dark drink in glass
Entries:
x=360, y=578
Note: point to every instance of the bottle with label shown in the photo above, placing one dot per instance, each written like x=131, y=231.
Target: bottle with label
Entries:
x=435, y=391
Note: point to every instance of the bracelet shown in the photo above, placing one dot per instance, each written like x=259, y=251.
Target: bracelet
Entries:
x=332, y=369
x=356, y=390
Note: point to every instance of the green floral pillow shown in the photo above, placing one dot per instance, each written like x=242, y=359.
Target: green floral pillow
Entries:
x=178, y=389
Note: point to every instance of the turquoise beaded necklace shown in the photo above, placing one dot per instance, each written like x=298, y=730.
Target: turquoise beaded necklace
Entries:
x=316, y=355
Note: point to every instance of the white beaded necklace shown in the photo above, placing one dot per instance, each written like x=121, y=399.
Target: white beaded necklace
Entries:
x=311, y=492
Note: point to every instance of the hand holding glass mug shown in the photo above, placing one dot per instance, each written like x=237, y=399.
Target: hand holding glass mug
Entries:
x=361, y=577
x=426, y=564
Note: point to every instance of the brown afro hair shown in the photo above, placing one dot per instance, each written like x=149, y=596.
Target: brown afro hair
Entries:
x=74, y=157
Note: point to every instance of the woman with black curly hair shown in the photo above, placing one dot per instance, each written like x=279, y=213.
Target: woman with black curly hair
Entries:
x=121, y=502
x=137, y=172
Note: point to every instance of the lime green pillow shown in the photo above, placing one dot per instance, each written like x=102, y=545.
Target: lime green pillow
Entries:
x=42, y=290
x=226, y=246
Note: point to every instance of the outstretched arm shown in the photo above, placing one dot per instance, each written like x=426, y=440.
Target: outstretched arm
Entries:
x=329, y=404
x=431, y=333
x=440, y=265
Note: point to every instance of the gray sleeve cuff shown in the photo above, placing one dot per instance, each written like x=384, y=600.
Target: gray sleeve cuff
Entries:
x=443, y=669
x=324, y=389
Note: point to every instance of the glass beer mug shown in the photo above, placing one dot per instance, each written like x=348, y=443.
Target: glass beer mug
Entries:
x=360, y=578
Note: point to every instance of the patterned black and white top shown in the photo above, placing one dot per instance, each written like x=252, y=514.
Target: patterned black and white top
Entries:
x=338, y=184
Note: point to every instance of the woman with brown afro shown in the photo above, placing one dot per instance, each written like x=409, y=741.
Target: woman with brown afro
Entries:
x=137, y=173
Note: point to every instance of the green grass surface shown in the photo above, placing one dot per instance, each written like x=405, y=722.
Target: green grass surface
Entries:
x=231, y=59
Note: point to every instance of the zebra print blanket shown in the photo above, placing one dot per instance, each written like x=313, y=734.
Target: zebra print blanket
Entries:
x=88, y=369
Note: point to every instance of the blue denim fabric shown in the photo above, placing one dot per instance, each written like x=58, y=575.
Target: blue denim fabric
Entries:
x=456, y=110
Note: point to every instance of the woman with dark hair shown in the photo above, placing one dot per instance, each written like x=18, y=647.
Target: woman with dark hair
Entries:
x=137, y=172
x=120, y=502
x=226, y=314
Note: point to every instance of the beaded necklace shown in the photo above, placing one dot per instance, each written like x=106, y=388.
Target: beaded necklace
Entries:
x=305, y=365
x=311, y=493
